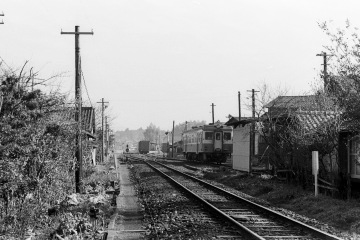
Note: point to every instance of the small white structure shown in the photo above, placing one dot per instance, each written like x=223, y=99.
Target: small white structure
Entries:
x=241, y=143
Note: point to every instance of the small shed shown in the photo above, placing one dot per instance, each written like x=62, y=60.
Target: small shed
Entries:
x=241, y=157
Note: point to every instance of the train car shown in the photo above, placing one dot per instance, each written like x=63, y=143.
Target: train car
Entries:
x=144, y=147
x=165, y=147
x=211, y=142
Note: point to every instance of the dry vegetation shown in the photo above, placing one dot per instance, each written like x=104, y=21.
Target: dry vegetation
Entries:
x=340, y=214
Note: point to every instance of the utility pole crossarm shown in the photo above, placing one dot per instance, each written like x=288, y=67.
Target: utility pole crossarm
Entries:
x=77, y=33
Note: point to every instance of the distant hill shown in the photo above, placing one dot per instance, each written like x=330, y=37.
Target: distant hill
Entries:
x=132, y=137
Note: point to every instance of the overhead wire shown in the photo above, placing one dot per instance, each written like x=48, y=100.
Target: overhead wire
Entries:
x=82, y=76
x=3, y=61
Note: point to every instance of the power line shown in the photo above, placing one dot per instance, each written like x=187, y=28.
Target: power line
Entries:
x=3, y=61
x=82, y=75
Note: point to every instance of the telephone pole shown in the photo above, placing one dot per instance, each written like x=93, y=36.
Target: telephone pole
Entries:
x=78, y=103
x=239, y=95
x=252, y=130
x=172, y=140
x=212, y=110
x=107, y=138
x=102, y=128
x=325, y=57
x=1, y=15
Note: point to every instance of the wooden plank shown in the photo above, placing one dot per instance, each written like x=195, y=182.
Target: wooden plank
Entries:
x=322, y=180
x=287, y=237
x=326, y=187
x=266, y=226
x=233, y=209
x=244, y=215
x=228, y=236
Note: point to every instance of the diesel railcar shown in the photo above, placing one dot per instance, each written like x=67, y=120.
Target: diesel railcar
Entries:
x=211, y=143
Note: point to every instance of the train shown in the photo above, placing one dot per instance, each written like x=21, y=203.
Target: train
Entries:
x=212, y=143
x=145, y=147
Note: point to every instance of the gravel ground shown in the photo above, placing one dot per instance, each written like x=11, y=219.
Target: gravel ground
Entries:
x=171, y=215
x=262, y=200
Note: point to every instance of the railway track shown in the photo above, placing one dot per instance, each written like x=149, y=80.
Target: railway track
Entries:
x=250, y=218
x=173, y=214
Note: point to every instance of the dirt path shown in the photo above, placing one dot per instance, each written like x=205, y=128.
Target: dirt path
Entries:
x=127, y=220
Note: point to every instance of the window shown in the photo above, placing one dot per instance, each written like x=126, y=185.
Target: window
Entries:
x=227, y=136
x=208, y=135
x=355, y=156
x=217, y=136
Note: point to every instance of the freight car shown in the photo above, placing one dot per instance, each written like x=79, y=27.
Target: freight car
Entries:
x=211, y=143
x=144, y=147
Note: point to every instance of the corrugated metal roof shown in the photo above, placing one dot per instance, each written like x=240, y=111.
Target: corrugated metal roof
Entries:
x=88, y=119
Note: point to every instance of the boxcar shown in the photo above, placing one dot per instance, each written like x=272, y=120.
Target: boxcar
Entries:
x=144, y=147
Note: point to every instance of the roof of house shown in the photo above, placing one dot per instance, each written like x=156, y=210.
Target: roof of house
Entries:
x=305, y=102
x=234, y=121
x=312, y=120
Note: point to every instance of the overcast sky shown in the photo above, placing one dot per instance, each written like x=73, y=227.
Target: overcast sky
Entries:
x=163, y=60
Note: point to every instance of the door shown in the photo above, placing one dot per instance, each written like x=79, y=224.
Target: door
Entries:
x=355, y=157
x=197, y=143
x=218, y=141
x=185, y=143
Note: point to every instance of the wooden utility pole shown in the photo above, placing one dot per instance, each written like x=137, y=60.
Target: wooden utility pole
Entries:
x=172, y=140
x=102, y=128
x=252, y=130
x=212, y=110
x=78, y=154
x=1, y=95
x=325, y=77
x=107, y=138
x=1, y=15
x=239, y=105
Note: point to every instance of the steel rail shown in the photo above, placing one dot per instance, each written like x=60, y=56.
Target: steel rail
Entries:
x=218, y=211
x=309, y=228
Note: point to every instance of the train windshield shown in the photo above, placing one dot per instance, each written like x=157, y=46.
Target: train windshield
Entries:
x=227, y=136
x=208, y=135
x=218, y=136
